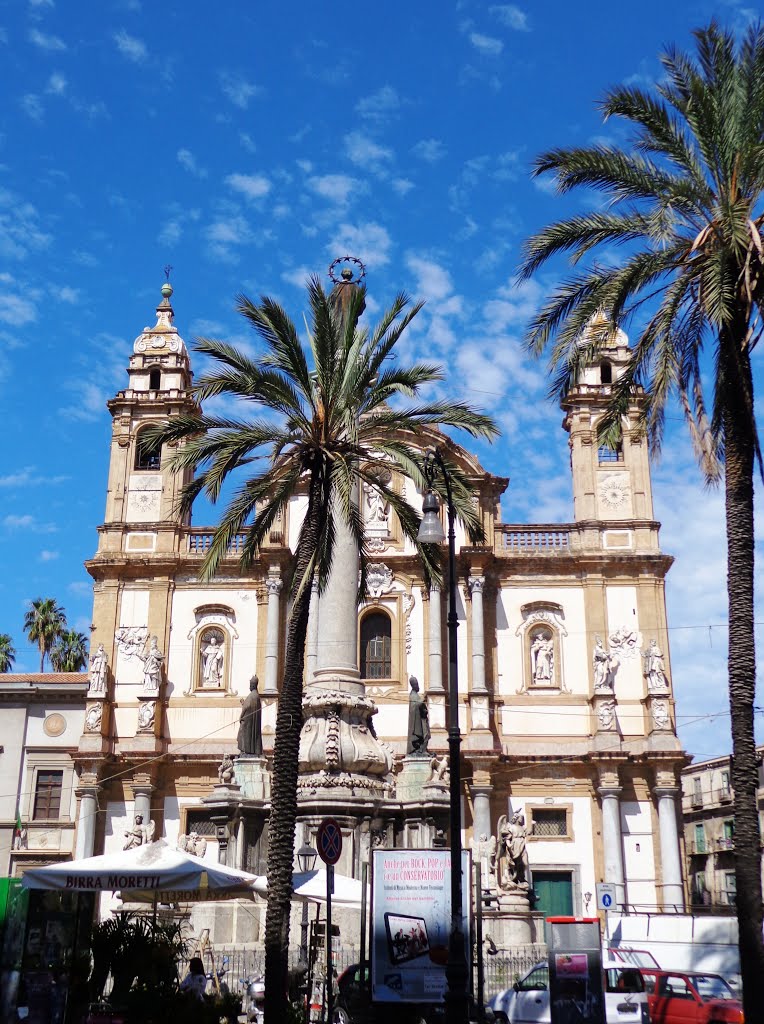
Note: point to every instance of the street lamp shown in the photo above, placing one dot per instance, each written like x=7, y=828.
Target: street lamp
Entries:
x=431, y=532
x=306, y=857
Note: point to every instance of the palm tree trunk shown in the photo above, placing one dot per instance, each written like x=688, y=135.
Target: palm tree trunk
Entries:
x=283, y=814
x=739, y=469
x=42, y=658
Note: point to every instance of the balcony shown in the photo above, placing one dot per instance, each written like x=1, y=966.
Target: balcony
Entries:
x=697, y=847
x=530, y=540
x=200, y=541
x=724, y=795
x=725, y=843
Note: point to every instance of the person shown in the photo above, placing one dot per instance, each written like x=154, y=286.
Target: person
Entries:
x=97, y=674
x=250, y=736
x=419, y=725
x=195, y=981
x=152, y=666
x=212, y=663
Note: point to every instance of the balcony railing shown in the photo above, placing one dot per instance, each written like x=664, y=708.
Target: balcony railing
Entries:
x=200, y=541
x=699, y=846
x=533, y=540
x=725, y=843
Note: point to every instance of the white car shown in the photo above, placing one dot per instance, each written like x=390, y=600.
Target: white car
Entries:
x=527, y=1002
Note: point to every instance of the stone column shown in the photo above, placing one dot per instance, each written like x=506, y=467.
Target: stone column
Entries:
x=481, y=809
x=338, y=613
x=273, y=586
x=435, y=642
x=311, y=652
x=673, y=889
x=87, y=809
x=476, y=584
x=142, y=789
x=612, y=841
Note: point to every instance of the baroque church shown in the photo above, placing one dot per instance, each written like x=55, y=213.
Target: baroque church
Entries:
x=566, y=708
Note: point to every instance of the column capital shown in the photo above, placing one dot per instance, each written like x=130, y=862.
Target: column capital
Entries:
x=476, y=584
x=607, y=778
x=662, y=791
x=610, y=791
x=273, y=586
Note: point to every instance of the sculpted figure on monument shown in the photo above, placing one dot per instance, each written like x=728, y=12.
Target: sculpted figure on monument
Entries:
x=193, y=843
x=226, y=773
x=512, y=856
x=484, y=851
x=419, y=724
x=602, y=666
x=97, y=674
x=139, y=834
x=439, y=769
x=146, y=716
x=152, y=666
x=250, y=736
x=654, y=668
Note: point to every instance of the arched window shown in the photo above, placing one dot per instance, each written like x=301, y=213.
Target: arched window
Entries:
x=146, y=458
x=376, y=658
x=155, y=379
x=606, y=373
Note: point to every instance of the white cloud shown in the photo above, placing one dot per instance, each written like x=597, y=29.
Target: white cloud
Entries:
x=56, y=84
x=433, y=282
x=511, y=17
x=66, y=294
x=27, y=522
x=187, y=161
x=366, y=153
x=170, y=233
x=370, y=242
x=430, y=150
x=486, y=44
x=247, y=142
x=52, y=44
x=16, y=310
x=402, y=186
x=31, y=106
x=337, y=188
x=225, y=234
x=49, y=556
x=131, y=47
x=380, y=105
x=238, y=90
x=80, y=588
x=253, y=186
x=27, y=477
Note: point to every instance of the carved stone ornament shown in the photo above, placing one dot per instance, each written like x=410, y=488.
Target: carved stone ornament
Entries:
x=375, y=545
x=193, y=843
x=146, y=712
x=408, y=606
x=661, y=716
x=625, y=643
x=131, y=640
x=614, y=490
x=93, y=717
x=379, y=579
x=605, y=711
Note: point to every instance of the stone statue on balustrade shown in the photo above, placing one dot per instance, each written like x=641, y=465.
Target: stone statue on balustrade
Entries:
x=511, y=854
x=250, y=736
x=139, y=834
x=484, y=852
x=99, y=666
x=419, y=724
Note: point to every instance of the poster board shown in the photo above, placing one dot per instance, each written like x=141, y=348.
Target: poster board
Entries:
x=576, y=993
x=411, y=921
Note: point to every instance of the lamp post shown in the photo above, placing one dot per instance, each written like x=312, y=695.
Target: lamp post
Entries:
x=431, y=532
x=306, y=858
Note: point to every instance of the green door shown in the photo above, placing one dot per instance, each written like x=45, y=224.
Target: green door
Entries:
x=554, y=890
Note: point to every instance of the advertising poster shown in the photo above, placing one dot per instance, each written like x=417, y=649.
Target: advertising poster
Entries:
x=575, y=971
x=411, y=916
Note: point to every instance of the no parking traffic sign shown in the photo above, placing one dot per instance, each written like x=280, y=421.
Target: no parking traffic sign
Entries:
x=329, y=841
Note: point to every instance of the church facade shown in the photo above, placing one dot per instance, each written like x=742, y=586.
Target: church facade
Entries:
x=566, y=706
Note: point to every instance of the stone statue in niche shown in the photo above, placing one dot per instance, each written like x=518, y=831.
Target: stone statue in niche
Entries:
x=419, y=725
x=146, y=713
x=98, y=668
x=212, y=662
x=512, y=855
x=250, y=737
x=542, y=659
x=484, y=851
x=439, y=773
x=654, y=668
x=226, y=772
x=152, y=667
x=139, y=834
x=377, y=506
x=93, y=718
x=604, y=666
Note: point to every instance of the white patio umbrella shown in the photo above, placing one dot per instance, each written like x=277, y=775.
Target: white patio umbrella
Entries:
x=310, y=886
x=155, y=871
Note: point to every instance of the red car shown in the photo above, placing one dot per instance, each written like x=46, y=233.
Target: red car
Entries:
x=690, y=997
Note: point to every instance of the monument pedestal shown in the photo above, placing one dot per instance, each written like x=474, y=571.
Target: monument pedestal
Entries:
x=412, y=778
x=252, y=777
x=509, y=922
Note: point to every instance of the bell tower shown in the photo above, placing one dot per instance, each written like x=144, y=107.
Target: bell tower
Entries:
x=141, y=502
x=610, y=484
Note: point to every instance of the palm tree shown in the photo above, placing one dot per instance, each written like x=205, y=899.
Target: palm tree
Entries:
x=684, y=202
x=44, y=622
x=70, y=651
x=327, y=424
x=7, y=653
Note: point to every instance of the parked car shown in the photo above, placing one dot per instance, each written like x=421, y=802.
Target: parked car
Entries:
x=527, y=1002
x=353, y=1005
x=691, y=997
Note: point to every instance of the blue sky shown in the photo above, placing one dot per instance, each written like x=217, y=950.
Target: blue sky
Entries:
x=249, y=144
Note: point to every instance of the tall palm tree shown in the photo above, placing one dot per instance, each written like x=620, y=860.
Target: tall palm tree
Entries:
x=683, y=201
x=328, y=424
x=70, y=651
x=44, y=623
x=7, y=653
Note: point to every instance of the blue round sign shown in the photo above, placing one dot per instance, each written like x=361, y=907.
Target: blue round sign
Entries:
x=607, y=899
x=329, y=841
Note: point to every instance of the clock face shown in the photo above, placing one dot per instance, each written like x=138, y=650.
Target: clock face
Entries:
x=614, y=491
